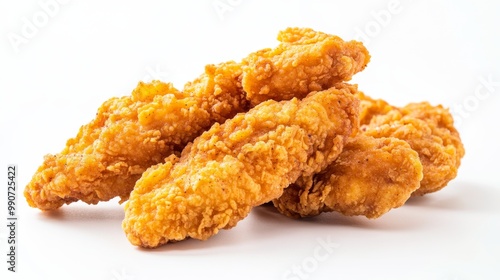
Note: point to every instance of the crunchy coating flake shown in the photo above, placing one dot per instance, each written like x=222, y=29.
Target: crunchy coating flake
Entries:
x=370, y=177
x=369, y=108
x=240, y=164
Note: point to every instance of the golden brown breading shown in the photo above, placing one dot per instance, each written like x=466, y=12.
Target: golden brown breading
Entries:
x=131, y=133
x=369, y=108
x=305, y=61
x=429, y=130
x=370, y=177
x=240, y=164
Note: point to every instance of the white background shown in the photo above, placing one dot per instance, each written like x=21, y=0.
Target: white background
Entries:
x=54, y=79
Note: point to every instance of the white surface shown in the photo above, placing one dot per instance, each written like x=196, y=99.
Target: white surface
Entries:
x=90, y=51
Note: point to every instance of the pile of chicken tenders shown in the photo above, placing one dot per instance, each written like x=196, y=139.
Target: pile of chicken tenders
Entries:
x=281, y=126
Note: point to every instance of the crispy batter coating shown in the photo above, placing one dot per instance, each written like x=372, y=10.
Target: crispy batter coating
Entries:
x=429, y=130
x=370, y=177
x=131, y=133
x=305, y=61
x=240, y=164
x=370, y=108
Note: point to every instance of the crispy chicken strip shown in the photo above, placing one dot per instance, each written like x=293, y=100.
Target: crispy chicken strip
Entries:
x=429, y=130
x=240, y=164
x=370, y=177
x=131, y=133
x=305, y=61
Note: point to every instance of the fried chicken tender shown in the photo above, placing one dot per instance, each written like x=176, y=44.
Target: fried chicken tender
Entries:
x=131, y=133
x=242, y=163
x=370, y=177
x=305, y=61
x=430, y=131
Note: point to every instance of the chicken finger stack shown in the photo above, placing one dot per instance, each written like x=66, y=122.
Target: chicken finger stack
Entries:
x=282, y=125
